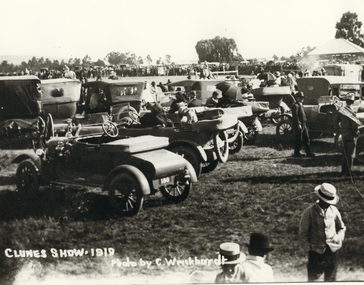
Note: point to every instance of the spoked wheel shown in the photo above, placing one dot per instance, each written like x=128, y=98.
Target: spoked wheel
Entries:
x=190, y=155
x=27, y=179
x=284, y=131
x=251, y=137
x=221, y=146
x=110, y=129
x=125, y=194
x=177, y=192
x=237, y=144
x=209, y=166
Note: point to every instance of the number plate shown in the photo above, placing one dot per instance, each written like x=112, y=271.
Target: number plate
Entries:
x=165, y=180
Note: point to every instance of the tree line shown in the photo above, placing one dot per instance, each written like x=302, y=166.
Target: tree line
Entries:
x=218, y=49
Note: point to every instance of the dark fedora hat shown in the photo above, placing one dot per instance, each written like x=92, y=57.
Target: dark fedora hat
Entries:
x=259, y=241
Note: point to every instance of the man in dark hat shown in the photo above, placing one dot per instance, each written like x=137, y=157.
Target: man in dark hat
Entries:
x=254, y=268
x=321, y=233
x=349, y=132
x=300, y=126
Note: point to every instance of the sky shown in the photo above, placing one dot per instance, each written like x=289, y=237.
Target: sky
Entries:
x=76, y=28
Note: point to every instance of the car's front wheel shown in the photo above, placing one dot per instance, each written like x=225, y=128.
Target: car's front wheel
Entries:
x=125, y=194
x=221, y=146
x=27, y=179
x=177, y=192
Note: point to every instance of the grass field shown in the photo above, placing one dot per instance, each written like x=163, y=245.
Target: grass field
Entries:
x=262, y=188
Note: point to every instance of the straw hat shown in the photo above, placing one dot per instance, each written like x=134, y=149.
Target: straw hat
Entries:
x=327, y=193
x=231, y=253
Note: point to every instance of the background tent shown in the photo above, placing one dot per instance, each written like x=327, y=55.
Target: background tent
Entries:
x=337, y=49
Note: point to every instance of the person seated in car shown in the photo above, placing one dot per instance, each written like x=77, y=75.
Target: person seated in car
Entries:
x=156, y=117
x=98, y=101
x=194, y=102
x=177, y=103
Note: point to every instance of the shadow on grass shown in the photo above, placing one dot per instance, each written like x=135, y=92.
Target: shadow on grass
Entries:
x=56, y=203
x=321, y=145
x=61, y=204
x=317, y=178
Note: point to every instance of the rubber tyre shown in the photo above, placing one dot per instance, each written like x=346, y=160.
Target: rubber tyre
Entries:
x=209, y=166
x=190, y=155
x=251, y=137
x=221, y=146
x=125, y=195
x=284, y=131
x=176, y=193
x=27, y=179
x=236, y=145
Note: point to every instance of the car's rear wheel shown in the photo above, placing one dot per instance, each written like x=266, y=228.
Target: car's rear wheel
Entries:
x=125, y=194
x=190, y=155
x=209, y=166
x=237, y=144
x=178, y=192
x=284, y=131
x=221, y=146
x=27, y=179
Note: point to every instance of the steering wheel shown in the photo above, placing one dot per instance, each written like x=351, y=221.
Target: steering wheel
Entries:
x=110, y=129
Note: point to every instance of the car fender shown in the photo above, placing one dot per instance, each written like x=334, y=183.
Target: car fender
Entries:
x=242, y=127
x=32, y=156
x=191, y=172
x=258, y=125
x=132, y=170
x=201, y=152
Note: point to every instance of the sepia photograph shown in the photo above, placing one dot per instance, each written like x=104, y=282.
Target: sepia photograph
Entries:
x=181, y=142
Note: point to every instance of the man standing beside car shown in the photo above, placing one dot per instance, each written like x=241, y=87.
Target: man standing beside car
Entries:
x=349, y=131
x=300, y=126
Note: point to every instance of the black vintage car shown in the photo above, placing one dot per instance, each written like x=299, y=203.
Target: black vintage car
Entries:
x=129, y=168
x=22, y=118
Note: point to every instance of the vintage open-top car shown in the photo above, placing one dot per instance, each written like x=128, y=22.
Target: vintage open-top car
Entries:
x=129, y=168
x=202, y=143
x=204, y=89
x=22, y=118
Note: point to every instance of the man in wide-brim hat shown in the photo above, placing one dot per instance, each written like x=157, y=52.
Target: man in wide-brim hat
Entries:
x=231, y=257
x=321, y=233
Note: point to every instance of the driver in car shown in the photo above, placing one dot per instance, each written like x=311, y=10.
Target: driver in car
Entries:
x=156, y=117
